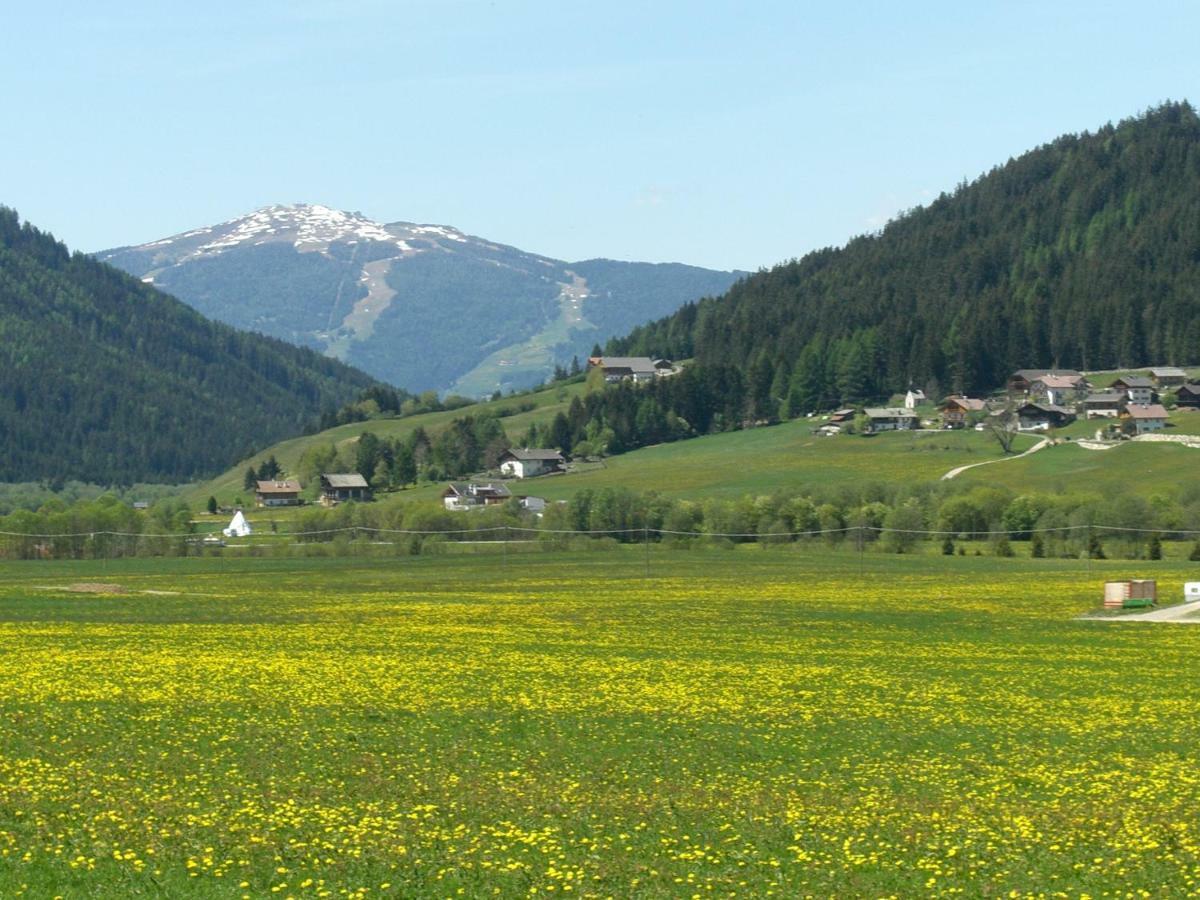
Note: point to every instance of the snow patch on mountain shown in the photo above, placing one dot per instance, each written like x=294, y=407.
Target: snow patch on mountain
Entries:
x=307, y=226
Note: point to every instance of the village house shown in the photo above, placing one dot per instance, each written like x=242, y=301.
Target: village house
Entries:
x=1058, y=390
x=1021, y=381
x=1144, y=418
x=526, y=463
x=1138, y=388
x=913, y=398
x=632, y=368
x=461, y=496
x=956, y=410
x=1103, y=404
x=1168, y=376
x=277, y=493
x=338, y=488
x=1188, y=395
x=890, y=419
x=1043, y=415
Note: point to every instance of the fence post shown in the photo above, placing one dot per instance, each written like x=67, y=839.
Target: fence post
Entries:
x=646, y=541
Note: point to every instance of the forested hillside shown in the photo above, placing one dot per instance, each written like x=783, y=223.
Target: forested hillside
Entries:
x=104, y=379
x=1083, y=253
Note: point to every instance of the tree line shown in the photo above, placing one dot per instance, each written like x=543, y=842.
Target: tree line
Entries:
x=894, y=517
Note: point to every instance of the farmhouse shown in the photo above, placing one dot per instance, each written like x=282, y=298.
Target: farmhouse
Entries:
x=338, y=488
x=1168, y=376
x=1021, y=381
x=277, y=493
x=1044, y=415
x=842, y=416
x=632, y=368
x=955, y=410
x=471, y=495
x=1144, y=418
x=1188, y=395
x=1103, y=404
x=526, y=463
x=1138, y=388
x=890, y=419
x=1058, y=390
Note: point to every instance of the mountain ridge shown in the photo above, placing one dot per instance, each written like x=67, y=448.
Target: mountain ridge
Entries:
x=422, y=306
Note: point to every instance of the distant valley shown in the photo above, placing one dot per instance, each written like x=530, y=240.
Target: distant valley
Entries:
x=424, y=307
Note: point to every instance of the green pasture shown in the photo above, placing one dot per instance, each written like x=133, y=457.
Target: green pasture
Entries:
x=787, y=456
x=1131, y=467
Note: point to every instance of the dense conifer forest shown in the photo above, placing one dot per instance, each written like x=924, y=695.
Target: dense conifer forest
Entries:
x=104, y=379
x=1083, y=253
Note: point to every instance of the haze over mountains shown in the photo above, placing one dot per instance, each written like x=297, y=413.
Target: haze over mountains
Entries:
x=420, y=306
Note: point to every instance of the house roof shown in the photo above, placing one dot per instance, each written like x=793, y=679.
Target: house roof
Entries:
x=1191, y=387
x=288, y=486
x=970, y=404
x=1059, y=382
x=1103, y=397
x=477, y=489
x=1168, y=372
x=1034, y=374
x=1046, y=408
x=344, y=480
x=891, y=412
x=632, y=363
x=1135, y=381
x=524, y=453
x=1146, y=411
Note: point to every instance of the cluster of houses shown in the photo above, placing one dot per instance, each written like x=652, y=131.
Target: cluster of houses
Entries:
x=517, y=462
x=1040, y=399
x=1057, y=397
x=342, y=487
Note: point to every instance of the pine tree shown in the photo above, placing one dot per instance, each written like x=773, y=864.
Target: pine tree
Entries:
x=212, y=506
x=250, y=479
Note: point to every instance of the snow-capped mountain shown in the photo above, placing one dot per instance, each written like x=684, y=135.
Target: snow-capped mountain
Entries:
x=421, y=306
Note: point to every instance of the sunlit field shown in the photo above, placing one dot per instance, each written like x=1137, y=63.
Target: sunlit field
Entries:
x=687, y=723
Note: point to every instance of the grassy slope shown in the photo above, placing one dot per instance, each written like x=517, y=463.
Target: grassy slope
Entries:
x=229, y=484
x=1143, y=468
x=785, y=456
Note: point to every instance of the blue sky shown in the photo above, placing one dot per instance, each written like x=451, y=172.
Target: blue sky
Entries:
x=720, y=134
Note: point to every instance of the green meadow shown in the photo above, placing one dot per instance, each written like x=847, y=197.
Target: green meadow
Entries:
x=700, y=722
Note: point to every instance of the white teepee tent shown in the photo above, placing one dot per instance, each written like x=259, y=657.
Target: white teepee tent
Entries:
x=239, y=527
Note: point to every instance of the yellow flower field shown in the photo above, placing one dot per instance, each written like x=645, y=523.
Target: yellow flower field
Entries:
x=734, y=724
